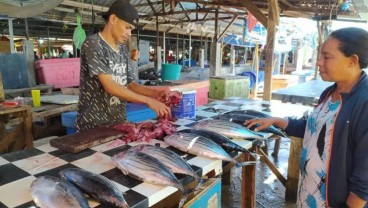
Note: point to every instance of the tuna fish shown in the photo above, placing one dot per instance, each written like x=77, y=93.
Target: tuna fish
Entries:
x=241, y=118
x=227, y=128
x=149, y=169
x=52, y=192
x=199, y=145
x=224, y=141
x=251, y=113
x=169, y=158
x=97, y=186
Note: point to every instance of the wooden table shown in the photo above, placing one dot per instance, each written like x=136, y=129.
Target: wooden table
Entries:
x=24, y=92
x=48, y=160
x=306, y=93
x=15, y=128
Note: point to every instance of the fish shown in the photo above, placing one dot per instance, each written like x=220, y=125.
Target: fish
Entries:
x=254, y=113
x=201, y=146
x=148, y=169
x=222, y=140
x=96, y=186
x=241, y=118
x=169, y=158
x=227, y=128
x=52, y=192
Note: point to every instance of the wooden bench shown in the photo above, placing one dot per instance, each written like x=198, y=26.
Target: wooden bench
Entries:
x=26, y=92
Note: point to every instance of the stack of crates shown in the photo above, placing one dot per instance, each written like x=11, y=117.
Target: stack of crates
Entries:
x=222, y=87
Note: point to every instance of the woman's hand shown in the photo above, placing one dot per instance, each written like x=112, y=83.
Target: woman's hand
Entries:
x=266, y=122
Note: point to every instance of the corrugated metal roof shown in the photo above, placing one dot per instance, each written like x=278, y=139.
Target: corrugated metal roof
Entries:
x=180, y=22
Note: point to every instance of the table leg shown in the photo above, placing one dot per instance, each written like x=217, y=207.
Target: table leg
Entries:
x=276, y=148
x=249, y=183
x=293, y=170
x=28, y=136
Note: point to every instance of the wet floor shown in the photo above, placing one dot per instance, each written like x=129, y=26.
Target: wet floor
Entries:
x=269, y=190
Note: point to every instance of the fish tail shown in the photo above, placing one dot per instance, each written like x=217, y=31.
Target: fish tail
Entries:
x=184, y=198
x=245, y=163
x=201, y=181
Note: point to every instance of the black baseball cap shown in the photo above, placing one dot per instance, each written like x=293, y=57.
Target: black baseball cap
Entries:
x=124, y=11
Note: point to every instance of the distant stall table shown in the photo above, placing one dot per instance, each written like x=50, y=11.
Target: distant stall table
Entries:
x=21, y=168
x=306, y=93
x=24, y=92
x=15, y=128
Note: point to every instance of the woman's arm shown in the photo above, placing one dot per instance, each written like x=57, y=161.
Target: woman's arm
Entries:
x=355, y=201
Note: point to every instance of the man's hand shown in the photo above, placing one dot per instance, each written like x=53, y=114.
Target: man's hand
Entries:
x=160, y=108
x=162, y=95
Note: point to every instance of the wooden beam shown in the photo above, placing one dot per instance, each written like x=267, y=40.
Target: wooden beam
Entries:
x=84, y=6
x=200, y=20
x=228, y=26
x=186, y=14
x=269, y=49
x=287, y=3
x=216, y=26
x=276, y=12
x=152, y=7
x=255, y=11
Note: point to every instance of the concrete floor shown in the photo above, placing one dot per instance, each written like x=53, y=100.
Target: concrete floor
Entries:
x=269, y=190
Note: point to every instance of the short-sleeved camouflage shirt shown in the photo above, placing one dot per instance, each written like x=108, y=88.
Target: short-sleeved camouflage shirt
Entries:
x=96, y=107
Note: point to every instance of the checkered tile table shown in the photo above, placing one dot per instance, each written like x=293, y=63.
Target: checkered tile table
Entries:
x=19, y=169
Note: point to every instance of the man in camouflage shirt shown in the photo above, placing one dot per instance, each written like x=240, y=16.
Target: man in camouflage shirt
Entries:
x=106, y=82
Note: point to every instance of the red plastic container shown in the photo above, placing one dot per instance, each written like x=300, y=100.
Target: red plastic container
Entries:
x=59, y=72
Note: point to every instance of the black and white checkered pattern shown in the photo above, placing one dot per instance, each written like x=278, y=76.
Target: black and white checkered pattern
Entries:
x=19, y=169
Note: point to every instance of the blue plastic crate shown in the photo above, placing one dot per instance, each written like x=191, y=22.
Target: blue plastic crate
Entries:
x=139, y=112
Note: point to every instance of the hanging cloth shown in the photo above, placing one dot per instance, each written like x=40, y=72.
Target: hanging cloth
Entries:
x=79, y=34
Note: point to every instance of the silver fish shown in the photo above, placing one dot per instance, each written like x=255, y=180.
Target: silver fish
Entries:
x=52, y=192
x=97, y=186
x=198, y=145
x=227, y=128
x=146, y=168
x=169, y=158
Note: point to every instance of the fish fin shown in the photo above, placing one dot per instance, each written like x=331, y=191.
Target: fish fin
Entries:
x=246, y=163
x=184, y=197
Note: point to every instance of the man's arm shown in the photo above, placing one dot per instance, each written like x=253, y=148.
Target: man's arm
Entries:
x=143, y=90
x=111, y=87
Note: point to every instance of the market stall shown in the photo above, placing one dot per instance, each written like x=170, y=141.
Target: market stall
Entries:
x=20, y=168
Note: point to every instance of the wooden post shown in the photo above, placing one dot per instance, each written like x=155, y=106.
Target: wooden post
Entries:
x=319, y=28
x=232, y=60
x=11, y=35
x=164, y=47
x=293, y=170
x=270, y=46
x=158, y=53
x=249, y=183
x=190, y=50
x=256, y=60
x=177, y=48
